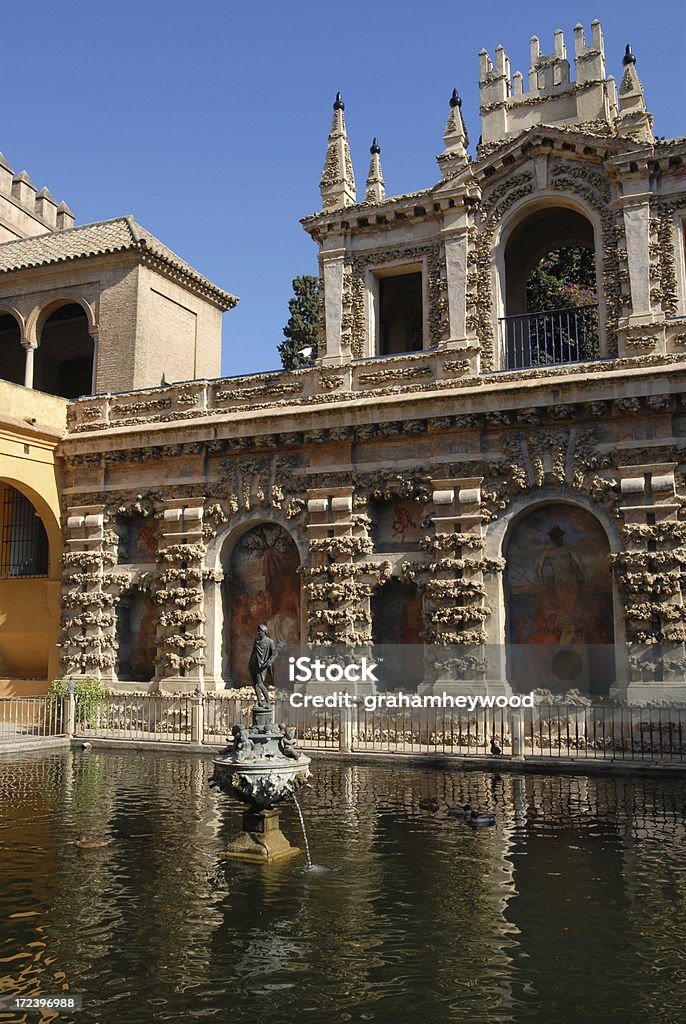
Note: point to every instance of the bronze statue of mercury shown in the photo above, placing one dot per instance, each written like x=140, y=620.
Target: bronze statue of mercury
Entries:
x=264, y=653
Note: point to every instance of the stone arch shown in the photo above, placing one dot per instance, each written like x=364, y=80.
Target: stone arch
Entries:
x=25, y=548
x=534, y=226
x=64, y=361
x=12, y=352
x=29, y=597
x=260, y=561
x=397, y=624
x=558, y=599
x=35, y=321
x=136, y=630
x=47, y=517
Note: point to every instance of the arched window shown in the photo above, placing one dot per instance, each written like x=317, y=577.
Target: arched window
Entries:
x=550, y=293
x=64, y=358
x=12, y=354
x=24, y=545
x=560, y=627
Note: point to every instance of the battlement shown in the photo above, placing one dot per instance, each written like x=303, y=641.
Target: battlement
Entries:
x=25, y=211
x=552, y=97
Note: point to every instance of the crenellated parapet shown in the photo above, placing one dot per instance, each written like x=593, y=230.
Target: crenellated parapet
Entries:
x=25, y=210
x=552, y=96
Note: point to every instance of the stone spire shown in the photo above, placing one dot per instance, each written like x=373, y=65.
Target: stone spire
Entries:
x=337, y=185
x=375, y=191
x=454, y=157
x=634, y=120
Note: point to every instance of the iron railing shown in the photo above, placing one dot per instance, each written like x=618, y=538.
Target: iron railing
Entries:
x=598, y=732
x=430, y=731
x=606, y=733
x=24, y=717
x=550, y=338
x=135, y=717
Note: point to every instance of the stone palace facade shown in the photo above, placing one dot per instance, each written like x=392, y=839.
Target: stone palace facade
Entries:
x=493, y=487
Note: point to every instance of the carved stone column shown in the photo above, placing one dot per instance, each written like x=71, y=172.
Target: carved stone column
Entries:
x=639, y=331
x=337, y=590
x=30, y=347
x=88, y=621
x=456, y=610
x=332, y=269
x=649, y=572
x=180, y=632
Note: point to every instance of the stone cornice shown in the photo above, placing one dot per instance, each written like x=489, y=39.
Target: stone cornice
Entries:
x=348, y=417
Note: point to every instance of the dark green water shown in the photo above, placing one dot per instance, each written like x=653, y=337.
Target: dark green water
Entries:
x=572, y=909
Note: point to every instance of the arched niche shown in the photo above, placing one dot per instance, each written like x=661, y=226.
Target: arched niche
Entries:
x=136, y=627
x=12, y=353
x=559, y=603
x=63, y=362
x=397, y=634
x=261, y=586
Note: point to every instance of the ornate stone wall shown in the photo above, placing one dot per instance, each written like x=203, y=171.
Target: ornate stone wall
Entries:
x=467, y=473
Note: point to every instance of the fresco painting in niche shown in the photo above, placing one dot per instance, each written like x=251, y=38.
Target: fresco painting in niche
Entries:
x=559, y=601
x=263, y=587
x=136, y=625
x=397, y=524
x=397, y=634
x=137, y=540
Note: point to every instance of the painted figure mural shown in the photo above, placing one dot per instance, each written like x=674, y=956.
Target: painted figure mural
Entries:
x=559, y=601
x=136, y=626
x=262, y=587
x=397, y=524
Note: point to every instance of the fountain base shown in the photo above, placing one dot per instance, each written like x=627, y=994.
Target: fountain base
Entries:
x=261, y=841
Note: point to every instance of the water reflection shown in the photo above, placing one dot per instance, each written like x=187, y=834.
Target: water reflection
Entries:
x=571, y=908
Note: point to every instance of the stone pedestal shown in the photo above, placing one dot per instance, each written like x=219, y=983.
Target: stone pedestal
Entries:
x=261, y=841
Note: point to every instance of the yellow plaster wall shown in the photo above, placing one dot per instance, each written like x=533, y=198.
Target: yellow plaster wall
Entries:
x=31, y=425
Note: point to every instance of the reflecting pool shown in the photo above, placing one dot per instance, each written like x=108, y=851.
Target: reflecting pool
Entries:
x=572, y=908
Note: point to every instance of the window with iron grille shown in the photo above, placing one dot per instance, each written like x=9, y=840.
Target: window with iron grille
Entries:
x=24, y=548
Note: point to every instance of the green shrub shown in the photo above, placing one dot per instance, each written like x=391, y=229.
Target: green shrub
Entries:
x=89, y=695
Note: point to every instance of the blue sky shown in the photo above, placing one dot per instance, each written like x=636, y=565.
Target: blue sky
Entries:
x=208, y=121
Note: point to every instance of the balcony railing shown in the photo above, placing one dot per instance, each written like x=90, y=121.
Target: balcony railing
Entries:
x=550, y=338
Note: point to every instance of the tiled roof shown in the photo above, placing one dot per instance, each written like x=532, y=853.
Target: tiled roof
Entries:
x=108, y=236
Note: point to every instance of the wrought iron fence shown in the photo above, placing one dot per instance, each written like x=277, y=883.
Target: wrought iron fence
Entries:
x=430, y=730
x=550, y=338
x=597, y=732
x=314, y=728
x=609, y=733
x=31, y=716
x=137, y=717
